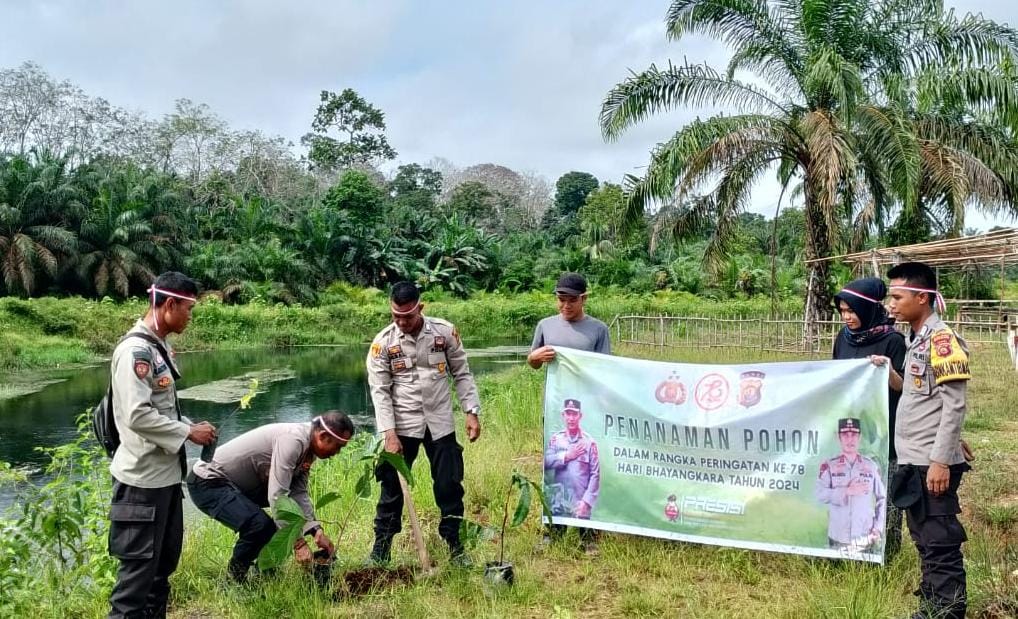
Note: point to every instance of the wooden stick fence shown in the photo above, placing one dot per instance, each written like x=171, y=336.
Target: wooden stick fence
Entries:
x=782, y=334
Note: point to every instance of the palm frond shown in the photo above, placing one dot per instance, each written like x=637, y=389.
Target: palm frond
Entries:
x=655, y=90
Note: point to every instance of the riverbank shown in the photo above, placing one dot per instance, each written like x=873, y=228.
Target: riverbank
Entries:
x=632, y=576
x=60, y=332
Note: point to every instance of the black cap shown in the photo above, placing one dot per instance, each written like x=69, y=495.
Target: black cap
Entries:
x=849, y=423
x=571, y=283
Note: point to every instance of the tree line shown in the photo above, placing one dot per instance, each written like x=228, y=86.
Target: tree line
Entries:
x=95, y=201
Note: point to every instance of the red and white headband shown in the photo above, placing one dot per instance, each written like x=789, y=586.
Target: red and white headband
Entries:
x=169, y=293
x=166, y=293
x=939, y=303
x=409, y=312
x=860, y=295
x=321, y=422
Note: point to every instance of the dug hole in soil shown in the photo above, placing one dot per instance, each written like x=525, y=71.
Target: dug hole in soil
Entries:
x=365, y=580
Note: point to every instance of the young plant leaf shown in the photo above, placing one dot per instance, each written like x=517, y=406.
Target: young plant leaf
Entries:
x=280, y=546
x=363, y=487
x=523, y=505
x=539, y=491
x=327, y=499
x=397, y=462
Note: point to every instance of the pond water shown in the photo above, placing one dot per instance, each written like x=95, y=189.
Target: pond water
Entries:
x=295, y=385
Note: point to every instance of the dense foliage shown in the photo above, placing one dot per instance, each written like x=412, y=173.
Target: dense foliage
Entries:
x=884, y=119
x=95, y=200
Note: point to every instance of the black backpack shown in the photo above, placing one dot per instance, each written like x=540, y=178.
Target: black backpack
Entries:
x=104, y=426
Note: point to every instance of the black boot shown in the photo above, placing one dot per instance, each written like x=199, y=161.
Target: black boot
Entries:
x=458, y=555
x=381, y=552
x=237, y=571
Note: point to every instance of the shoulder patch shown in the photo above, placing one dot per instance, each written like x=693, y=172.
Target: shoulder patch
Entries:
x=441, y=321
x=948, y=358
x=143, y=354
x=141, y=368
x=824, y=467
x=376, y=350
x=386, y=331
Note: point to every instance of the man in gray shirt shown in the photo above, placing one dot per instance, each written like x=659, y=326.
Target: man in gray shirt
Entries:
x=571, y=328
x=253, y=470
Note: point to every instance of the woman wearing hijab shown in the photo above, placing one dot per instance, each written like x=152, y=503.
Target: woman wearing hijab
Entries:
x=869, y=332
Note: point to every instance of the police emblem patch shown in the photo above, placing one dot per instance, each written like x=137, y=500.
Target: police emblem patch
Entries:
x=942, y=343
x=439, y=344
x=163, y=382
x=671, y=391
x=141, y=368
x=376, y=350
x=440, y=368
x=750, y=386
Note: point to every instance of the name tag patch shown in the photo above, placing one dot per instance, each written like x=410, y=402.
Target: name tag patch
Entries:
x=402, y=364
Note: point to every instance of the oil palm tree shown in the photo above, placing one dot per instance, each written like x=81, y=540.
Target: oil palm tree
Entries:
x=821, y=108
x=36, y=196
x=119, y=244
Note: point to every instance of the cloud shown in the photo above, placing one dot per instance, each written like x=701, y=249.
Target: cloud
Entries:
x=515, y=83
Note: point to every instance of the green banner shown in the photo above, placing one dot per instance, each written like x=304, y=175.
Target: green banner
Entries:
x=786, y=457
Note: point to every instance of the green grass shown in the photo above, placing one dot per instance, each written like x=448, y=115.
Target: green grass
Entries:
x=633, y=576
x=55, y=332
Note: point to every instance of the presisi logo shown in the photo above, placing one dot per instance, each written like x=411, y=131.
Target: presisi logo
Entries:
x=693, y=505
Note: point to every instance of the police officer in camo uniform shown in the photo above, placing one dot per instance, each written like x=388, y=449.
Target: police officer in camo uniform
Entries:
x=410, y=365
x=146, y=514
x=853, y=487
x=927, y=435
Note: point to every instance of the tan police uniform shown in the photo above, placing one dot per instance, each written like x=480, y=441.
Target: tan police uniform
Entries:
x=145, y=409
x=928, y=429
x=146, y=510
x=852, y=518
x=409, y=378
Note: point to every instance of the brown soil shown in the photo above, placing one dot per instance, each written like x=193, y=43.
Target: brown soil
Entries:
x=368, y=579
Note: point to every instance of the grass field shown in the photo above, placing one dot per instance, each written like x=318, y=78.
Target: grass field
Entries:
x=632, y=576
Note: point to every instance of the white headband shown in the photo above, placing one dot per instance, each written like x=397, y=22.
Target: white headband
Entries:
x=321, y=422
x=861, y=296
x=939, y=303
x=166, y=293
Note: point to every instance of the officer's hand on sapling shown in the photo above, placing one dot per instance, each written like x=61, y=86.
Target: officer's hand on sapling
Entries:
x=324, y=543
x=392, y=442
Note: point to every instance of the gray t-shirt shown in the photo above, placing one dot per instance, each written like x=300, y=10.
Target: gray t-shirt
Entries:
x=588, y=334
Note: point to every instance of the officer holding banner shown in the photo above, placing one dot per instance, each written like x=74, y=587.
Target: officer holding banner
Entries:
x=853, y=487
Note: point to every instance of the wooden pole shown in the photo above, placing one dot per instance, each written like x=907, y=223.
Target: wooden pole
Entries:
x=415, y=527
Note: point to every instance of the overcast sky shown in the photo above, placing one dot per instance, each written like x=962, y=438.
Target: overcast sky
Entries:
x=514, y=83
